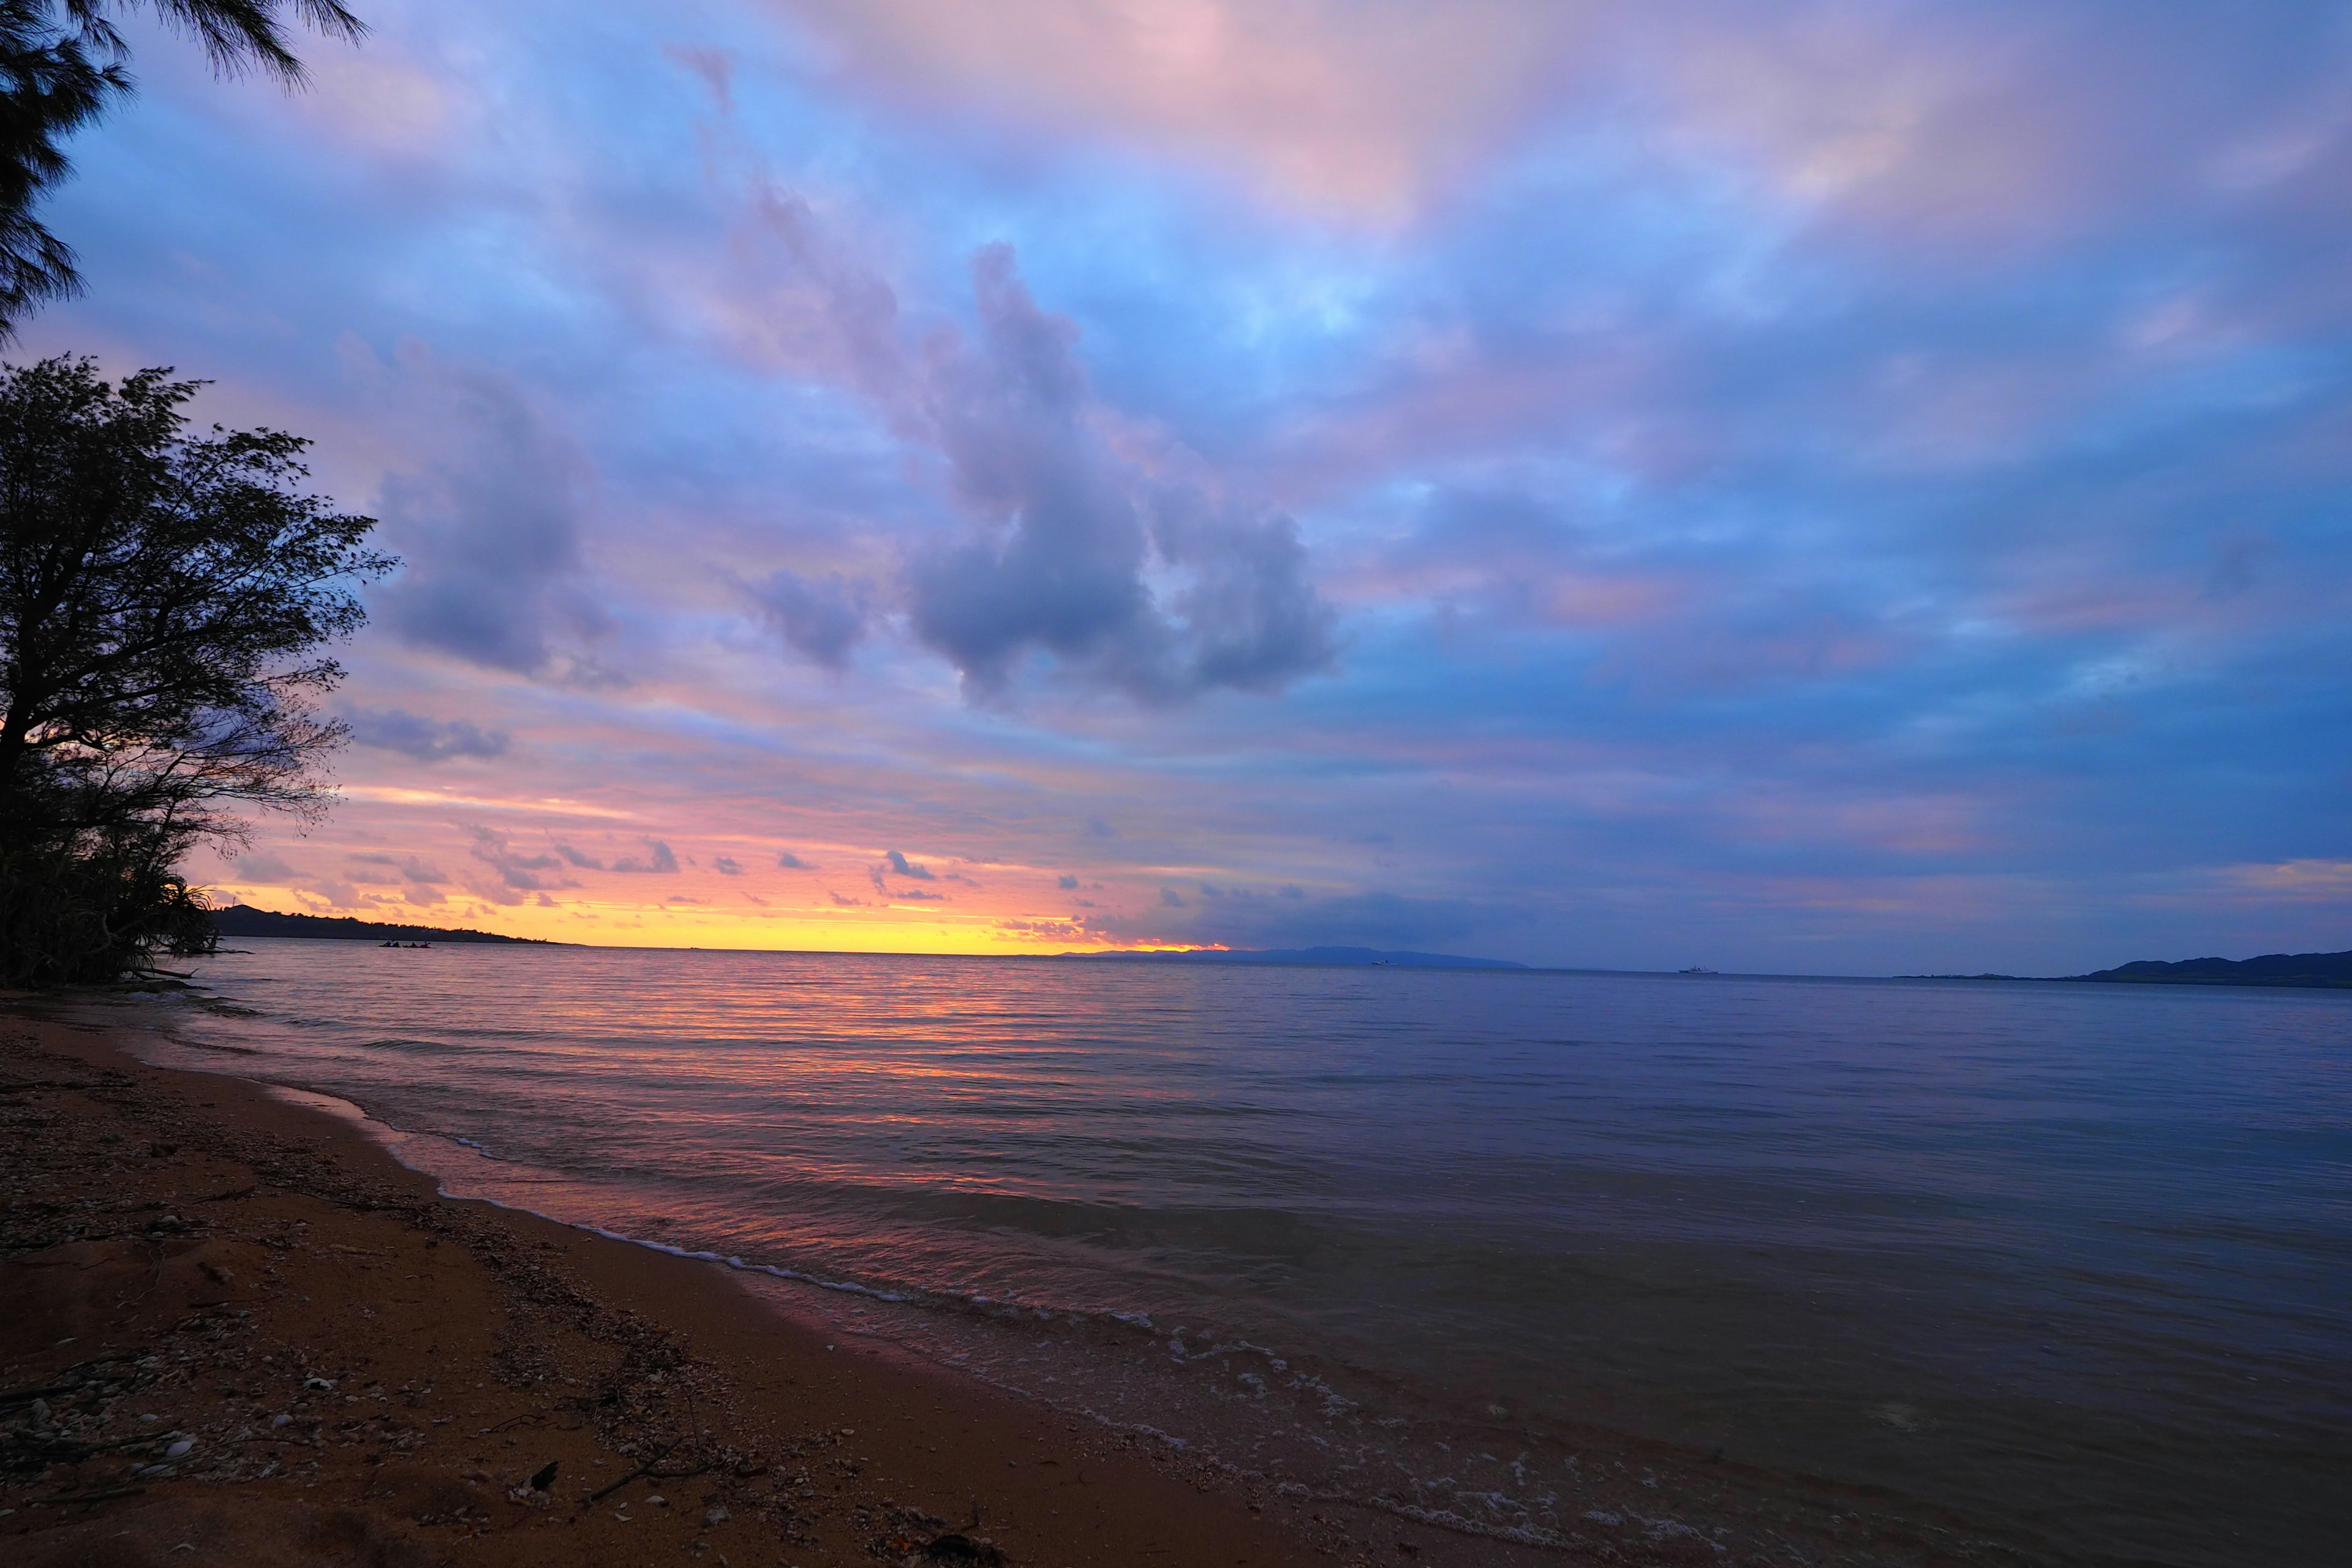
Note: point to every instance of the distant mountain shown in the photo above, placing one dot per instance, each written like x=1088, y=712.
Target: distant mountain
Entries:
x=242, y=920
x=1352, y=957
x=2310, y=970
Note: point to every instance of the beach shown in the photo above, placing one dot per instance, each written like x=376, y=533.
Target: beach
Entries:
x=233, y=1330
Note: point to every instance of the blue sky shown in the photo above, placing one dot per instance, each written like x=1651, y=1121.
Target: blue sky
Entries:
x=1817, y=487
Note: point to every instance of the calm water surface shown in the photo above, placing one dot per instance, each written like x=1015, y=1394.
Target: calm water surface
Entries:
x=2074, y=1263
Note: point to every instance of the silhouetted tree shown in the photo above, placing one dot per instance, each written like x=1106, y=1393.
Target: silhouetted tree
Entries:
x=61, y=64
x=165, y=599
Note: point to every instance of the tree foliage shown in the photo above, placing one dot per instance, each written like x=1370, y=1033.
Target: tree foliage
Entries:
x=62, y=65
x=164, y=601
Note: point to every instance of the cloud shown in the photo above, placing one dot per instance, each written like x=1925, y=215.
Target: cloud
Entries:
x=1066, y=882
x=1325, y=105
x=517, y=873
x=823, y=618
x=261, y=866
x=846, y=903
x=726, y=866
x=409, y=867
x=1071, y=532
x=657, y=861
x=791, y=862
x=491, y=533
x=425, y=740
x=576, y=857
x=905, y=867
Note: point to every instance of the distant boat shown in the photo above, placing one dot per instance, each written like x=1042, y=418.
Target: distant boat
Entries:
x=1694, y=969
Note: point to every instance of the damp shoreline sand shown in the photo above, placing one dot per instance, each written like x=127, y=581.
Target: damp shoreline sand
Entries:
x=197, y=1250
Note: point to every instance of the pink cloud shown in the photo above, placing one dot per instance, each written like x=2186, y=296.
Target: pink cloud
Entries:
x=1340, y=107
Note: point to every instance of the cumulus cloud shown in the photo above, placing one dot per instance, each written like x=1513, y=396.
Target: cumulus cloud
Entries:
x=919, y=895
x=1066, y=882
x=841, y=901
x=821, y=618
x=517, y=873
x=791, y=862
x=658, y=860
x=1072, y=533
x=425, y=740
x=491, y=536
x=727, y=866
x=906, y=868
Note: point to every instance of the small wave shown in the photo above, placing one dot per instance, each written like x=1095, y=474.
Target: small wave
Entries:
x=220, y=1049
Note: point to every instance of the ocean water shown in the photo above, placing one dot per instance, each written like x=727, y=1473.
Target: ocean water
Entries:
x=2070, y=1266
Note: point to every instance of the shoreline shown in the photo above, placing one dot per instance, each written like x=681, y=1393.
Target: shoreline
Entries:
x=914, y=1451
x=431, y=1356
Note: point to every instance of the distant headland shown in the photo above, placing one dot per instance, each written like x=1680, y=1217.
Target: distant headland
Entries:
x=1344, y=957
x=2301, y=971
x=243, y=920
x=2320, y=970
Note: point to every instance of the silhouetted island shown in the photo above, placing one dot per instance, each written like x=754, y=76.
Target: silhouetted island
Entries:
x=243, y=920
x=2306, y=971
x=2310, y=970
x=1355, y=957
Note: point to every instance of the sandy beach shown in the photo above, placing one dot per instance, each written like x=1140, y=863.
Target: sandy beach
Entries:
x=233, y=1330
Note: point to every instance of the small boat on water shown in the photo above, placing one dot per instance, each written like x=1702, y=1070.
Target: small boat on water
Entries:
x=1694, y=969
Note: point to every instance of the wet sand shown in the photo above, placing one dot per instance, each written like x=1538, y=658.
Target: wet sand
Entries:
x=234, y=1329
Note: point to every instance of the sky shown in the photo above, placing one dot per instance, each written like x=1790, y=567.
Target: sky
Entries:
x=1806, y=487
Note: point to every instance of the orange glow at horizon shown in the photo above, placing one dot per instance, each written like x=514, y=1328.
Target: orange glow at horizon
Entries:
x=588, y=924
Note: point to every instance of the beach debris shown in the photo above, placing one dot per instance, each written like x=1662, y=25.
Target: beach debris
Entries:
x=716, y=1516
x=544, y=1477
x=954, y=1546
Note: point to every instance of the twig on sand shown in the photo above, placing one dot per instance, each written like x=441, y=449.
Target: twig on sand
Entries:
x=640, y=1471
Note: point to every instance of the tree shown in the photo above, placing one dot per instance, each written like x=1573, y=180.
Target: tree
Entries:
x=62, y=64
x=164, y=600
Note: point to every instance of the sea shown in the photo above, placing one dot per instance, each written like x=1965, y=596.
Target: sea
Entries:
x=2062, y=1268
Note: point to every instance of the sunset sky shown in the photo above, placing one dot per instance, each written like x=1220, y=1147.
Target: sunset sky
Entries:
x=1831, y=488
